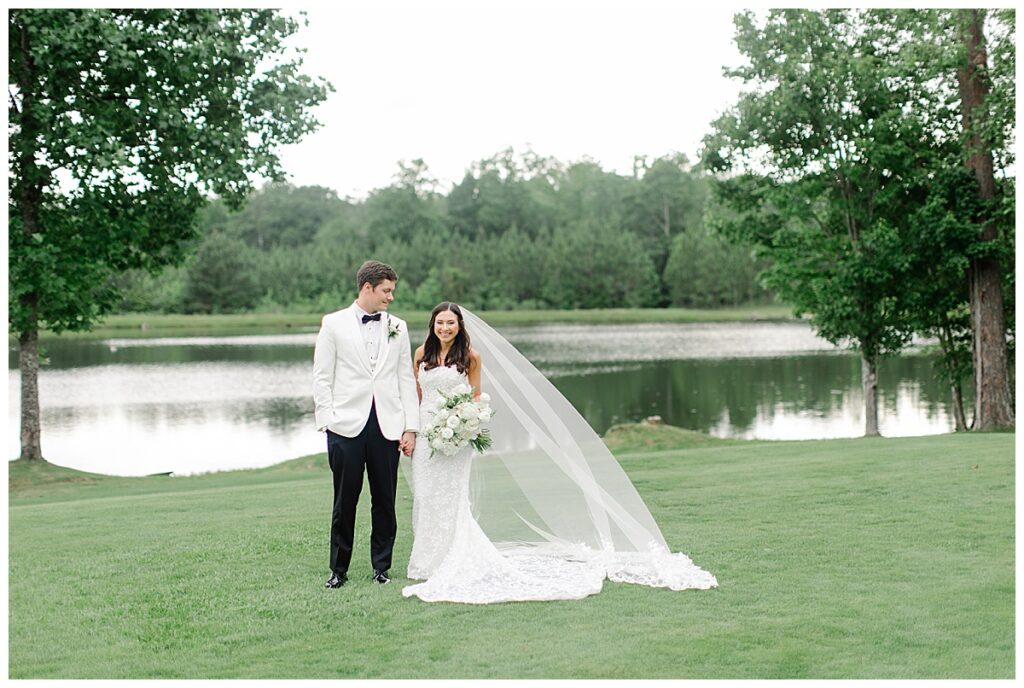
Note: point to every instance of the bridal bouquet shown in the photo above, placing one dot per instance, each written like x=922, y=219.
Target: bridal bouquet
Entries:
x=458, y=421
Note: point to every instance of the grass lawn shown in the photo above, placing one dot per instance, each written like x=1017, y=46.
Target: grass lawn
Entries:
x=162, y=325
x=882, y=558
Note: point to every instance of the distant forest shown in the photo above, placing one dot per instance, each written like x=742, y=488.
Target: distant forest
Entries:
x=519, y=231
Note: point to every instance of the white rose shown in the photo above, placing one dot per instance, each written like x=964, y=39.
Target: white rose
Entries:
x=437, y=443
x=468, y=412
x=447, y=433
x=472, y=424
x=460, y=389
x=485, y=397
x=485, y=415
x=452, y=422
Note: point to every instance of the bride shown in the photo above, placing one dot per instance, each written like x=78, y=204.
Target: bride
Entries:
x=546, y=513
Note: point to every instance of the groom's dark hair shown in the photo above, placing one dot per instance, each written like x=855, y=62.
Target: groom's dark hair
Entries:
x=374, y=272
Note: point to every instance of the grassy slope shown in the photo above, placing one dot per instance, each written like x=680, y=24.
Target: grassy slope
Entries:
x=843, y=558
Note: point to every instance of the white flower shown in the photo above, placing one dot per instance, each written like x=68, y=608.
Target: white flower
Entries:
x=457, y=421
x=485, y=397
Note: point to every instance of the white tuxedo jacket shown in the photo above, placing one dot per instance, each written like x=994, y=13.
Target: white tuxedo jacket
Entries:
x=344, y=387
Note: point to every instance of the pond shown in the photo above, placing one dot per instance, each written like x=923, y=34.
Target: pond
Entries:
x=197, y=404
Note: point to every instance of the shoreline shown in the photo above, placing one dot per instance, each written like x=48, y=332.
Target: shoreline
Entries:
x=145, y=325
x=626, y=441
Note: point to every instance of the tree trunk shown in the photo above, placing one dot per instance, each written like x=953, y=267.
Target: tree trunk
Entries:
x=869, y=376
x=958, y=407
x=953, y=372
x=28, y=363
x=992, y=399
x=29, y=195
x=666, y=223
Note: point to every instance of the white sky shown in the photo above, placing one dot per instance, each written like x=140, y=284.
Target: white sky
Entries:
x=454, y=82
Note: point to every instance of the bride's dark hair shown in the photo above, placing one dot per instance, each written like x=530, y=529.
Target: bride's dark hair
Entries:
x=459, y=353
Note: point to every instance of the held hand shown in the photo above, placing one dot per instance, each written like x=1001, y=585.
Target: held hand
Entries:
x=408, y=443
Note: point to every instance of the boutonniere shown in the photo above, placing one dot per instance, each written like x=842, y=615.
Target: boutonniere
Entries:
x=392, y=330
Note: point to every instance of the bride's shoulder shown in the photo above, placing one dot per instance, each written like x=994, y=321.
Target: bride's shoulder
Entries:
x=474, y=357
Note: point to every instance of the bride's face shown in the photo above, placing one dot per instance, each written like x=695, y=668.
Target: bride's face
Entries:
x=446, y=327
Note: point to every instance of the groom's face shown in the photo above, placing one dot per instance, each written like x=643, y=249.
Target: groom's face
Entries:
x=380, y=296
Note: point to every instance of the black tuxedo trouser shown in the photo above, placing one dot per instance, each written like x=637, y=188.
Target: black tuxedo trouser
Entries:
x=347, y=457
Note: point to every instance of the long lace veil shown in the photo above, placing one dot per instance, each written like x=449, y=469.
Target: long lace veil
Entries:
x=551, y=485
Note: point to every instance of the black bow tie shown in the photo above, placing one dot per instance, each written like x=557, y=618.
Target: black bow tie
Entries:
x=368, y=318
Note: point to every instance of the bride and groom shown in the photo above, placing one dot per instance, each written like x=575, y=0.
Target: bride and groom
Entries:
x=546, y=513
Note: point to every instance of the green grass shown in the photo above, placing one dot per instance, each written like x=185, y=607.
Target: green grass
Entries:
x=161, y=325
x=882, y=558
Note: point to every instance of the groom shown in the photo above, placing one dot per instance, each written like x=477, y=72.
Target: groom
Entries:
x=364, y=395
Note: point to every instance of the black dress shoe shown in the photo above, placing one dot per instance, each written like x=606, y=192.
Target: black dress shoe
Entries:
x=336, y=581
x=381, y=577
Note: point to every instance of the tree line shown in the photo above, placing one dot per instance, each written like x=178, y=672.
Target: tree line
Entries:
x=518, y=231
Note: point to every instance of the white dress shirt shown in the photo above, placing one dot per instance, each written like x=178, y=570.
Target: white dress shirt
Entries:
x=371, y=334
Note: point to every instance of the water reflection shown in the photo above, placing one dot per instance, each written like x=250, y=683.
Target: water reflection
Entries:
x=83, y=353
x=183, y=438
x=187, y=405
x=582, y=344
x=798, y=397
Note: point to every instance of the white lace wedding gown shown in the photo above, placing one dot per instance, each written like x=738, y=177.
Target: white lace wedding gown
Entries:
x=450, y=551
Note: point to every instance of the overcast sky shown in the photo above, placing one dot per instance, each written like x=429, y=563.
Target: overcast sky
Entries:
x=454, y=82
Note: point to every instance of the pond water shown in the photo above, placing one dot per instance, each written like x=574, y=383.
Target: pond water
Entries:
x=196, y=404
